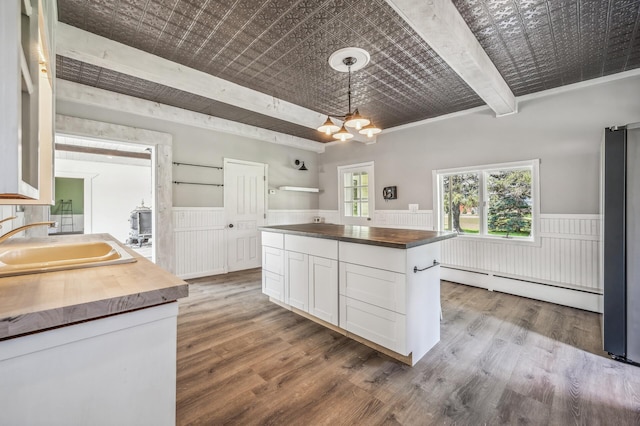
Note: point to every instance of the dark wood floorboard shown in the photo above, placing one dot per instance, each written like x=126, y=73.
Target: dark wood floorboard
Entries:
x=502, y=359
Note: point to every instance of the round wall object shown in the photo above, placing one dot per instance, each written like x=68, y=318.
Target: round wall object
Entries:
x=336, y=60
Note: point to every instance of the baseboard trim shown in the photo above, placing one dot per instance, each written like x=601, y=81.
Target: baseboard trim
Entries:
x=200, y=274
x=539, y=291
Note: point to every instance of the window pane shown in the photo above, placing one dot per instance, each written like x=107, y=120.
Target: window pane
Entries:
x=510, y=203
x=364, y=210
x=364, y=179
x=348, y=179
x=348, y=194
x=356, y=209
x=460, y=201
x=365, y=193
x=348, y=209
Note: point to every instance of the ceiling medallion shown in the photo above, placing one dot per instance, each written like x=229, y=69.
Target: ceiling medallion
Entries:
x=347, y=60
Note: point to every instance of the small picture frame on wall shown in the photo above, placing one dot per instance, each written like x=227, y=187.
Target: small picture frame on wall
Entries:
x=389, y=193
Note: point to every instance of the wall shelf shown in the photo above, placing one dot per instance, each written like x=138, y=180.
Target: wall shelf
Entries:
x=298, y=188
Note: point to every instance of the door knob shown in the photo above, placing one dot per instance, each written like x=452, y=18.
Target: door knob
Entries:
x=231, y=225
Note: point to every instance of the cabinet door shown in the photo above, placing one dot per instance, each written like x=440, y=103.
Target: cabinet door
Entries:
x=378, y=287
x=296, y=280
x=381, y=326
x=272, y=260
x=323, y=289
x=273, y=285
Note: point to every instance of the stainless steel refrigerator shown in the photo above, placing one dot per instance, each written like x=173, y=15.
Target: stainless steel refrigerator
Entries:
x=621, y=242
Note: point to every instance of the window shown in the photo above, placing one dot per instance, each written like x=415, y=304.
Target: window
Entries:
x=499, y=200
x=356, y=193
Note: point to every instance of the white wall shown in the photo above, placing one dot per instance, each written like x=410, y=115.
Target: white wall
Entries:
x=203, y=146
x=564, y=130
x=117, y=189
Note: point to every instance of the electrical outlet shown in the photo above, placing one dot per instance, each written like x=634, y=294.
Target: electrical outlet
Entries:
x=413, y=208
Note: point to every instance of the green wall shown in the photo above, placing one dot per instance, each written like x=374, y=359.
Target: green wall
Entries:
x=69, y=189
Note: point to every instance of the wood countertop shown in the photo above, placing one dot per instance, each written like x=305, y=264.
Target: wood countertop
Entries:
x=386, y=237
x=35, y=302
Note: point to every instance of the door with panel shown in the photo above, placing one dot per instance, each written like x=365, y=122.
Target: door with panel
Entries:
x=244, y=205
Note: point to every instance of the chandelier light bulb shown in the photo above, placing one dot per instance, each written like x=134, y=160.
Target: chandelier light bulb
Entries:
x=343, y=134
x=369, y=130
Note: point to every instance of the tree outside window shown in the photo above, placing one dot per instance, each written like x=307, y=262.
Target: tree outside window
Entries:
x=493, y=201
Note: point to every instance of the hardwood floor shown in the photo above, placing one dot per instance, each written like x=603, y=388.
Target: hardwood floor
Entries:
x=502, y=359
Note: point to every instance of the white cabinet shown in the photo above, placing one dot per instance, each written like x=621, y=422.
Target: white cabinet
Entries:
x=27, y=32
x=323, y=289
x=384, y=301
x=296, y=280
x=117, y=370
x=273, y=265
x=302, y=272
x=371, y=293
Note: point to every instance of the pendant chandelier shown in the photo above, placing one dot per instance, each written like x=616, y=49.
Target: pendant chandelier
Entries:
x=346, y=60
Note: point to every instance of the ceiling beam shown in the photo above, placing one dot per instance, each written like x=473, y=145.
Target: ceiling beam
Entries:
x=102, y=151
x=93, y=49
x=74, y=43
x=440, y=24
x=68, y=91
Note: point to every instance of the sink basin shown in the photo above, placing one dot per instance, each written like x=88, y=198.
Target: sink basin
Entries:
x=56, y=257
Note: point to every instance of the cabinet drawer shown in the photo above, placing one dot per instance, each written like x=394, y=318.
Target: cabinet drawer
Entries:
x=273, y=260
x=273, y=239
x=391, y=259
x=381, y=326
x=314, y=246
x=273, y=285
x=378, y=287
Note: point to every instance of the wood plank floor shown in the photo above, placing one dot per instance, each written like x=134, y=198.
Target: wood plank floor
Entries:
x=502, y=359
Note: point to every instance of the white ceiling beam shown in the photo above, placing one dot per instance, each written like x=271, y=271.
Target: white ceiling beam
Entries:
x=440, y=24
x=93, y=49
x=67, y=91
x=74, y=43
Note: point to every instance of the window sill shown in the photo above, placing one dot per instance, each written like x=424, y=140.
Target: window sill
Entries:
x=532, y=241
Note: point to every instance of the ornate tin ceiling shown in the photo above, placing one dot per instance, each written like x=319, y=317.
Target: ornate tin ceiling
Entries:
x=280, y=47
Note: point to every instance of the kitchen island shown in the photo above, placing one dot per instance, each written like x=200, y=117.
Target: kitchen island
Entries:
x=95, y=345
x=380, y=286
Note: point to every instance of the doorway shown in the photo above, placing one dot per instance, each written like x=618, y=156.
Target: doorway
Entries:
x=245, y=208
x=115, y=179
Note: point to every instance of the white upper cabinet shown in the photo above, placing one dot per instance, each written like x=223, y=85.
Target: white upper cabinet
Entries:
x=27, y=31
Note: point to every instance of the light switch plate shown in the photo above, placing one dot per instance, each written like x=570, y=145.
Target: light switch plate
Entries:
x=413, y=208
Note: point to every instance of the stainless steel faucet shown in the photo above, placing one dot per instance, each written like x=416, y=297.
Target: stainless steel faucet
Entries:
x=13, y=232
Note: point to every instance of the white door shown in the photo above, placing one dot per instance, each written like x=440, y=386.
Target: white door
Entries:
x=356, y=193
x=244, y=206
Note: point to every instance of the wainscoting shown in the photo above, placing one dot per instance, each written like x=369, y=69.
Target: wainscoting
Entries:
x=563, y=268
x=199, y=238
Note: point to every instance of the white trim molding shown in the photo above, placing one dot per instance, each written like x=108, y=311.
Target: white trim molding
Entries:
x=163, y=151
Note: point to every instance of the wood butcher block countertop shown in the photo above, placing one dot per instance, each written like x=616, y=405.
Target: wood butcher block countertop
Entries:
x=386, y=237
x=35, y=302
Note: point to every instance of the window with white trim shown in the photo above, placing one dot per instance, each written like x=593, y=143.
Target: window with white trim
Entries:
x=356, y=193
x=494, y=201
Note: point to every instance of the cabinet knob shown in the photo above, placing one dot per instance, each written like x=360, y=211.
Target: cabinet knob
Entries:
x=231, y=225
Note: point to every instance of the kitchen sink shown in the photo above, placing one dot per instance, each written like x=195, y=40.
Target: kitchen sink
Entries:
x=56, y=257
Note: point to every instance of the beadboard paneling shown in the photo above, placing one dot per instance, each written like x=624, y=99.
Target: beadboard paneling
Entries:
x=568, y=254
x=290, y=217
x=199, y=238
x=421, y=219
